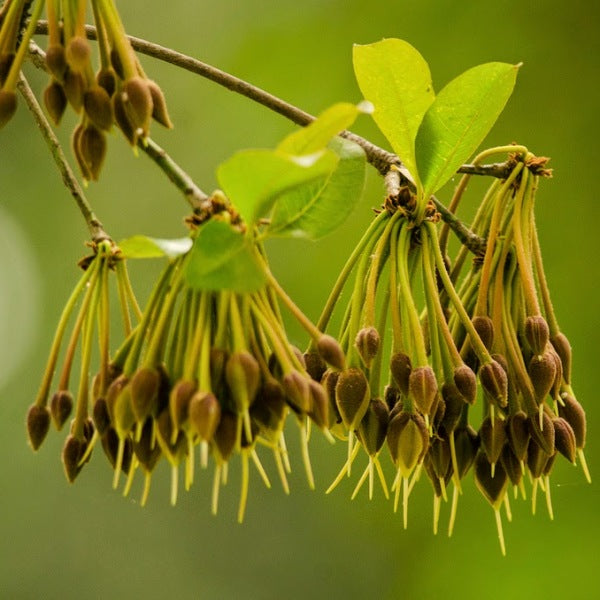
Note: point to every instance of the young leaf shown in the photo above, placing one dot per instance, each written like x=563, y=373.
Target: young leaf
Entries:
x=142, y=246
x=254, y=179
x=221, y=259
x=315, y=209
x=459, y=119
x=318, y=134
x=396, y=79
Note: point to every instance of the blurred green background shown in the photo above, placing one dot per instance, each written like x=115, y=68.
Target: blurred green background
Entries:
x=86, y=541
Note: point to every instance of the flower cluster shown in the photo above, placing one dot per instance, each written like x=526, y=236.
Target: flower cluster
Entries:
x=485, y=336
x=118, y=92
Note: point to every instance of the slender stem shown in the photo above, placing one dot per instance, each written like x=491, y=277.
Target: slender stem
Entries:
x=96, y=230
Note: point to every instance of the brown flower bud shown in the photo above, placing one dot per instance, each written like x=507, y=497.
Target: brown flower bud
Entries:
x=422, y=388
x=454, y=404
x=572, y=412
x=401, y=367
x=352, y=396
x=91, y=144
x=38, y=423
x=146, y=451
x=164, y=428
x=145, y=384
x=204, y=415
x=564, y=439
x=98, y=107
x=440, y=458
x=537, y=333
x=331, y=352
x=543, y=436
x=100, y=416
x=493, y=436
x=122, y=120
x=55, y=101
x=56, y=60
x=72, y=453
x=115, y=61
x=408, y=441
x=494, y=383
x=484, y=326
x=269, y=408
x=536, y=459
x=242, y=374
x=137, y=102
x=511, y=464
x=367, y=343
x=391, y=396
x=517, y=432
x=78, y=53
x=107, y=79
x=73, y=86
x=493, y=487
x=319, y=405
x=179, y=404
x=114, y=389
x=6, y=61
x=315, y=365
x=225, y=436
x=563, y=349
x=466, y=382
x=297, y=391
x=542, y=372
x=466, y=444
x=8, y=106
x=61, y=405
x=159, y=105
x=372, y=430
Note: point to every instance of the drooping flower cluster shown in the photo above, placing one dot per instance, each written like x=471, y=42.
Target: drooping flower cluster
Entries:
x=118, y=92
x=498, y=324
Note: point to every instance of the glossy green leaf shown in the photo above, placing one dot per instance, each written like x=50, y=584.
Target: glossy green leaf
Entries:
x=222, y=259
x=460, y=118
x=254, y=179
x=396, y=79
x=317, y=208
x=318, y=134
x=142, y=246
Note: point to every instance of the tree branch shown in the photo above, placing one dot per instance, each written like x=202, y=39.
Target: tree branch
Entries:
x=97, y=231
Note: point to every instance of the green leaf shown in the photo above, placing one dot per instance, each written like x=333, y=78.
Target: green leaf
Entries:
x=222, y=259
x=317, y=208
x=318, y=134
x=142, y=246
x=254, y=179
x=396, y=79
x=460, y=118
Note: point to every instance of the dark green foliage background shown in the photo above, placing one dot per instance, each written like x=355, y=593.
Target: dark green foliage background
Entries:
x=85, y=541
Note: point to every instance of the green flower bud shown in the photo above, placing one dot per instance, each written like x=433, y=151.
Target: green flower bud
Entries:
x=372, y=430
x=408, y=441
x=331, y=352
x=422, y=388
x=179, y=405
x=145, y=384
x=537, y=333
x=367, y=342
x=61, y=405
x=352, y=396
x=242, y=374
x=204, y=415
x=38, y=423
x=124, y=417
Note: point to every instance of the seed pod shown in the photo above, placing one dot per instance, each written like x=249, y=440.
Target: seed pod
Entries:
x=38, y=423
x=367, y=343
x=331, y=352
x=297, y=391
x=137, y=102
x=78, y=53
x=159, y=105
x=543, y=436
x=422, y=388
x=55, y=101
x=61, y=405
x=107, y=79
x=493, y=436
x=466, y=382
x=56, y=60
x=572, y=412
x=542, y=372
x=484, y=326
x=98, y=107
x=401, y=367
x=319, y=405
x=511, y=464
x=73, y=86
x=564, y=439
x=454, y=403
x=242, y=374
x=225, y=436
x=315, y=365
x=563, y=349
x=204, y=415
x=100, y=416
x=517, y=432
x=466, y=444
x=72, y=452
x=408, y=441
x=8, y=106
x=352, y=396
x=537, y=333
x=492, y=488
x=179, y=404
x=372, y=430
x=494, y=383
x=145, y=384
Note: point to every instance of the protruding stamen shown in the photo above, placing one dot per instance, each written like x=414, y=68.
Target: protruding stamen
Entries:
x=405, y=495
x=215, y=489
x=244, y=487
x=260, y=468
x=453, y=509
x=343, y=470
x=584, y=466
x=128, y=483
x=174, y=484
x=306, y=458
x=507, y=508
x=281, y=470
x=118, y=463
x=437, y=503
x=549, y=499
x=500, y=531
x=362, y=479
x=146, y=490
x=381, y=478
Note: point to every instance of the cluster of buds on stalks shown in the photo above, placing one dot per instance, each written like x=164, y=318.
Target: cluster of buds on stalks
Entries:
x=91, y=323
x=118, y=92
x=207, y=372
x=455, y=340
